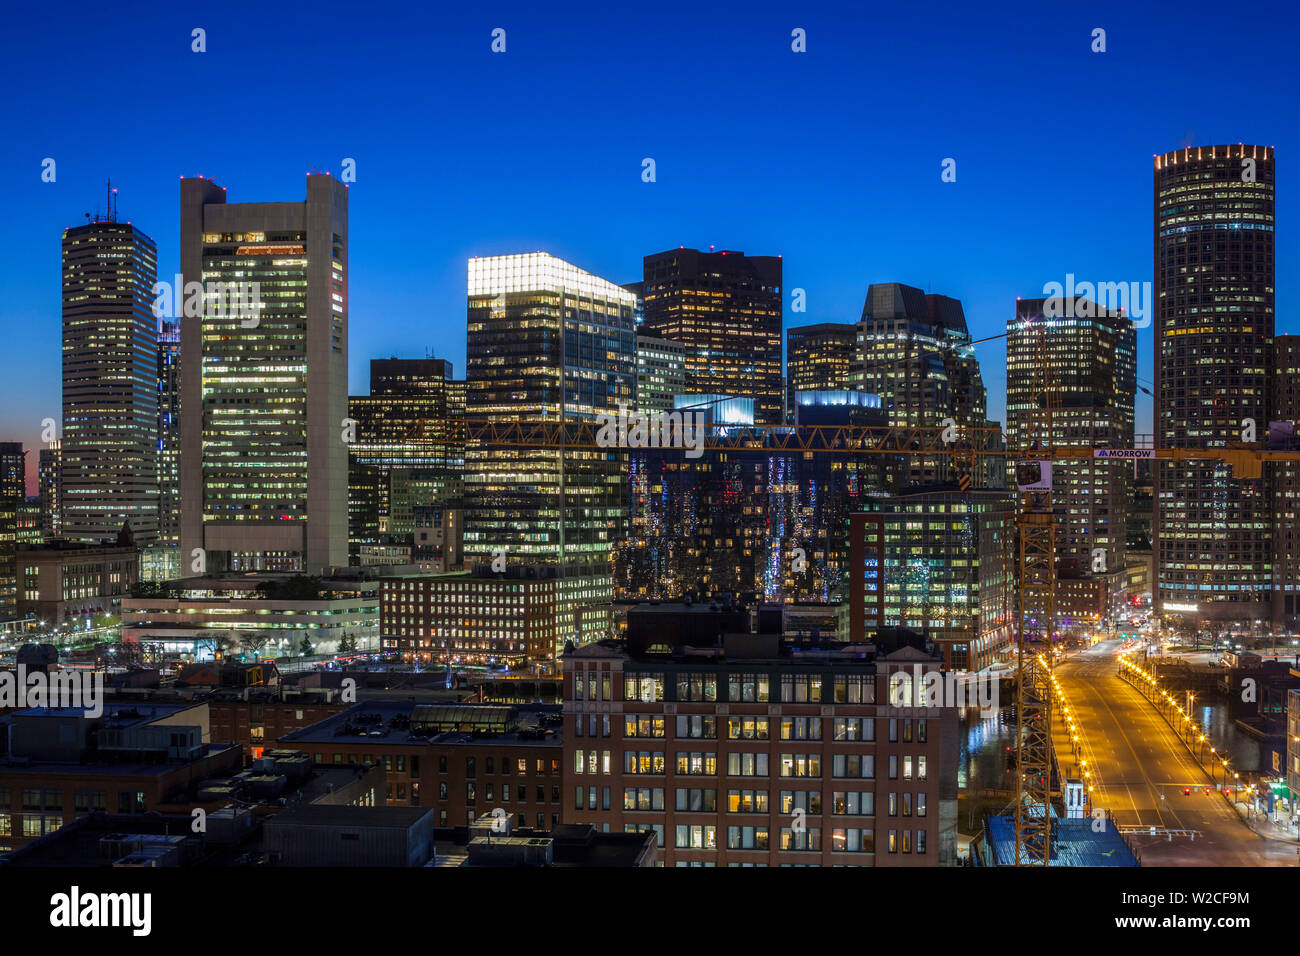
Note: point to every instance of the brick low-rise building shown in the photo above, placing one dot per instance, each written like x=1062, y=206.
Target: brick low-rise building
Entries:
x=133, y=759
x=463, y=761
x=469, y=617
x=255, y=719
x=760, y=752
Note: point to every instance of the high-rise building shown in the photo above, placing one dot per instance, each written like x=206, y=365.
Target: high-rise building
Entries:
x=726, y=308
x=30, y=528
x=13, y=470
x=755, y=523
x=438, y=541
x=548, y=343
x=13, y=496
x=819, y=357
x=161, y=561
x=50, y=487
x=638, y=313
x=660, y=373
x=264, y=460
x=1214, y=276
x=110, y=399
x=916, y=354
x=408, y=452
x=936, y=562
x=1091, y=367
x=1285, y=485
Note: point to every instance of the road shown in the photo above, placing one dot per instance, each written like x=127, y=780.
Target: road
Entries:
x=1136, y=759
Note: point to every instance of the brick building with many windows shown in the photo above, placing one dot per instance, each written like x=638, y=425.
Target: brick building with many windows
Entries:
x=257, y=717
x=760, y=752
x=131, y=759
x=470, y=617
x=462, y=760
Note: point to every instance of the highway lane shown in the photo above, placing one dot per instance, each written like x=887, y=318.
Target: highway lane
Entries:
x=1141, y=768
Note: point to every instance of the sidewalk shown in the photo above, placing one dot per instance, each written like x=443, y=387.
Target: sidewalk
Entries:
x=1265, y=828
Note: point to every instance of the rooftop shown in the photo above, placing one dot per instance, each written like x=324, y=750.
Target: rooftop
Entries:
x=416, y=724
x=1074, y=843
x=330, y=815
x=43, y=769
x=571, y=845
x=765, y=649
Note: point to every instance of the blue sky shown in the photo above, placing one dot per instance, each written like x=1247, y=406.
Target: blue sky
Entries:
x=830, y=158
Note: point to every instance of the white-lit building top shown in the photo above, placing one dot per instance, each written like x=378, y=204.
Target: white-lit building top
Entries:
x=534, y=271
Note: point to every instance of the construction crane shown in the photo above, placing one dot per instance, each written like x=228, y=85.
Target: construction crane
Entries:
x=1035, y=521
x=1035, y=613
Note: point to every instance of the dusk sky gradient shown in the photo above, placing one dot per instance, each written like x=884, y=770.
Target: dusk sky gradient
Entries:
x=830, y=158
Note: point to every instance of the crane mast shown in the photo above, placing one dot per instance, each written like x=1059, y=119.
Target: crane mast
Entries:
x=1035, y=618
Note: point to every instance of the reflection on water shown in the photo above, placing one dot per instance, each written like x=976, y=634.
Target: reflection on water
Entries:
x=1243, y=749
x=982, y=762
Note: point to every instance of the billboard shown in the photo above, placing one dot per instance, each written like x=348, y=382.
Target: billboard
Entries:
x=1033, y=475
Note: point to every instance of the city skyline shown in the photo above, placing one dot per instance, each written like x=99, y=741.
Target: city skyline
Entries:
x=720, y=436
x=812, y=181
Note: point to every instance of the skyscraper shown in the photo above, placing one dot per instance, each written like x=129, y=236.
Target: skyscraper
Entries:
x=161, y=561
x=13, y=470
x=660, y=372
x=110, y=400
x=819, y=357
x=726, y=308
x=755, y=523
x=938, y=562
x=548, y=342
x=917, y=356
x=409, y=451
x=50, y=487
x=13, y=495
x=1284, y=484
x=1091, y=363
x=1214, y=327
x=264, y=393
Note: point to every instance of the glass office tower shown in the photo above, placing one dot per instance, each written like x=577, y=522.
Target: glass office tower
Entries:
x=548, y=342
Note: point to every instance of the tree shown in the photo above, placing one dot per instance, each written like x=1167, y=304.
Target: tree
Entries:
x=300, y=587
x=150, y=589
x=348, y=645
x=218, y=643
x=305, y=647
x=251, y=642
